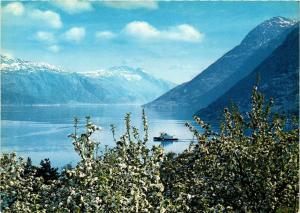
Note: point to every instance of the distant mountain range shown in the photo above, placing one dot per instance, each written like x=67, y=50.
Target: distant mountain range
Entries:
x=235, y=65
x=270, y=50
x=24, y=82
x=279, y=75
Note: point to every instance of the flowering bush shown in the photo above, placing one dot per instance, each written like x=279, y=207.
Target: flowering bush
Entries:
x=251, y=165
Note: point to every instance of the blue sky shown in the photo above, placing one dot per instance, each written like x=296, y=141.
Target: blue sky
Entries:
x=171, y=40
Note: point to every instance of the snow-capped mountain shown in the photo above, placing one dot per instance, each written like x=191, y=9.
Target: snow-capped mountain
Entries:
x=124, y=72
x=219, y=77
x=9, y=64
x=266, y=32
x=279, y=79
x=25, y=82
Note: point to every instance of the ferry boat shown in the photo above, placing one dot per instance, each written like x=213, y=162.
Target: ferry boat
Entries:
x=165, y=137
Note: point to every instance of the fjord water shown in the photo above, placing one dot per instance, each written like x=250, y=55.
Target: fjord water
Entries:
x=42, y=132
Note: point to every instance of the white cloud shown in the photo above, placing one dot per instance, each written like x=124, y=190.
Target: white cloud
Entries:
x=75, y=34
x=54, y=48
x=48, y=16
x=73, y=6
x=15, y=8
x=133, y=4
x=183, y=32
x=44, y=36
x=144, y=31
x=141, y=29
x=17, y=14
x=104, y=35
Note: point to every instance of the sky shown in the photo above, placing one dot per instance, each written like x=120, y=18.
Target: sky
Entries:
x=171, y=40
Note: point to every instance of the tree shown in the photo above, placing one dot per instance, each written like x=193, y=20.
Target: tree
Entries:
x=29, y=168
x=46, y=171
x=250, y=165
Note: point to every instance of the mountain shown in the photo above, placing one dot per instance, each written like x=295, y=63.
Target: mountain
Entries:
x=130, y=82
x=279, y=75
x=25, y=82
x=229, y=69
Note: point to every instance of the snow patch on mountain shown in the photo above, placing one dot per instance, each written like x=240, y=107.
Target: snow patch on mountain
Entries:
x=267, y=31
x=9, y=64
x=126, y=73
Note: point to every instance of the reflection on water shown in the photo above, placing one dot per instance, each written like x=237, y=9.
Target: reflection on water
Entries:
x=41, y=131
x=167, y=143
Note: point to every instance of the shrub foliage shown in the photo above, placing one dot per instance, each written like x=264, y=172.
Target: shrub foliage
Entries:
x=250, y=165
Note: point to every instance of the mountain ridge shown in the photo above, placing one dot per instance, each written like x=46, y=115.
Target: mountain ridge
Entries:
x=9, y=64
x=279, y=79
x=26, y=82
x=228, y=69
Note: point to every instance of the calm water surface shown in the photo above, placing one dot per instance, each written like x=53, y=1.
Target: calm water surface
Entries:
x=41, y=132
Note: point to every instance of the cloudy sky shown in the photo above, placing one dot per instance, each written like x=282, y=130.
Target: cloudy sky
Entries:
x=171, y=40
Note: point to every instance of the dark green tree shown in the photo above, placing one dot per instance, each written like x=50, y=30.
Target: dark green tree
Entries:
x=47, y=171
x=29, y=169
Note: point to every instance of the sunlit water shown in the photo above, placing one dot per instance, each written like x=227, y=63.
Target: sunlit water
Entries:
x=42, y=132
